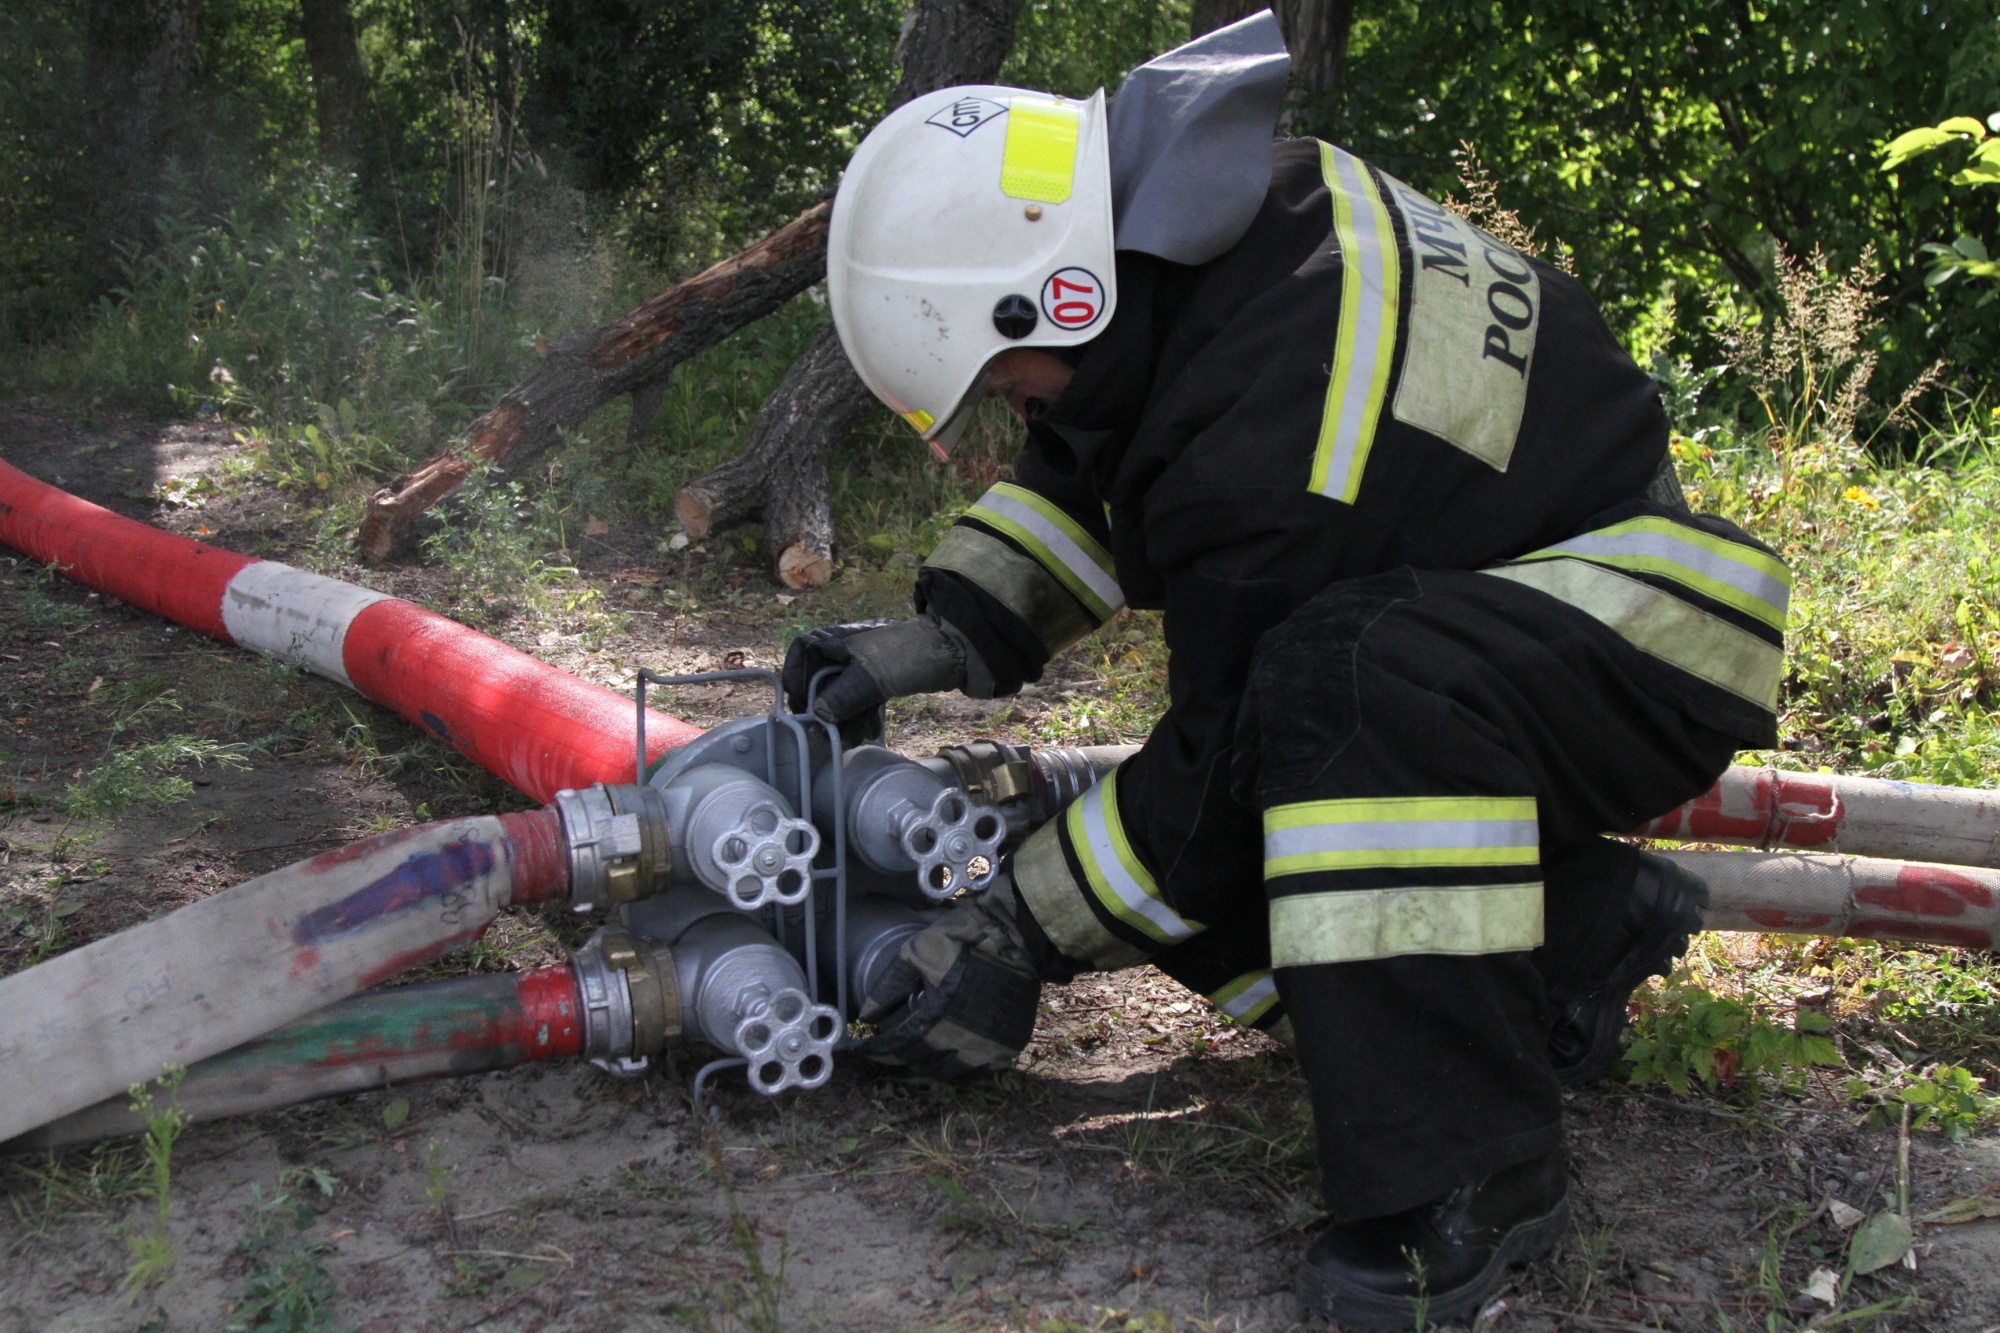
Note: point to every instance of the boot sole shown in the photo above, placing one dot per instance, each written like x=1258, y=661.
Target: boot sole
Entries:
x=1360, y=1309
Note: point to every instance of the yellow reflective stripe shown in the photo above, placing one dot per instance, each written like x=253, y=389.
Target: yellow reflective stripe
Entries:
x=1248, y=998
x=1122, y=884
x=1370, y=289
x=1018, y=582
x=1362, y=924
x=1043, y=881
x=1376, y=832
x=1661, y=624
x=1055, y=539
x=1039, y=161
x=1736, y=575
x=920, y=420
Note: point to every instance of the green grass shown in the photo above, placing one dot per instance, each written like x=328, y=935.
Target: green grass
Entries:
x=86, y=1184
x=146, y=772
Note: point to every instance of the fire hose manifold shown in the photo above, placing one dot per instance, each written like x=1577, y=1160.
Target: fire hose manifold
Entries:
x=734, y=921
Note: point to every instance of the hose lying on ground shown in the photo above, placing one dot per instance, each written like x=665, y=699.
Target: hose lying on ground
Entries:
x=201, y=979
x=527, y=722
x=1822, y=812
x=1812, y=893
x=468, y=1025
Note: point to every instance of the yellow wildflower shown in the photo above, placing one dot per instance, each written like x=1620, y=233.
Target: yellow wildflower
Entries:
x=1855, y=495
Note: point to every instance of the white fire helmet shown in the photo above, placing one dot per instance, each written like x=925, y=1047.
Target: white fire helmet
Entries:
x=971, y=220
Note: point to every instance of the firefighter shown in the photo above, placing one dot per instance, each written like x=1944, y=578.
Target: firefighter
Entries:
x=1437, y=616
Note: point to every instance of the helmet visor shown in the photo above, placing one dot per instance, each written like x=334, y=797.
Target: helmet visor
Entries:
x=945, y=438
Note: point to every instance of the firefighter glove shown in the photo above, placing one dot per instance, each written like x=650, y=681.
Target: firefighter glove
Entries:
x=878, y=660
x=961, y=996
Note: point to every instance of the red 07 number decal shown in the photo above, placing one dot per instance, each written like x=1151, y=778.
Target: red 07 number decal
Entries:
x=1073, y=298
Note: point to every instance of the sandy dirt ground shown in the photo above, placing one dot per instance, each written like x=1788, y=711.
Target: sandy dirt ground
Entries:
x=1145, y=1168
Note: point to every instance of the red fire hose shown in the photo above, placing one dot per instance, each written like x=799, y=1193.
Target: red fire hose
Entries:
x=537, y=727
x=210, y=976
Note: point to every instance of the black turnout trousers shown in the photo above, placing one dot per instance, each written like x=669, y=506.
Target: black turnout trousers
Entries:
x=1433, y=757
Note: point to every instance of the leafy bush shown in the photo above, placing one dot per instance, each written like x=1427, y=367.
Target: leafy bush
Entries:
x=1967, y=254
x=1685, y=1034
x=1945, y=1096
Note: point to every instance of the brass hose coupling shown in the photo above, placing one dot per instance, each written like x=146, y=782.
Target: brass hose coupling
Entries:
x=618, y=842
x=1030, y=785
x=631, y=1000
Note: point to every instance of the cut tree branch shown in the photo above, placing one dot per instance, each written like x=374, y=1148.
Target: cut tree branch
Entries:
x=584, y=371
x=782, y=472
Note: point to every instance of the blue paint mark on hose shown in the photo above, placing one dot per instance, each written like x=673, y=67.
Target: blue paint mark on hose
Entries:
x=436, y=724
x=436, y=877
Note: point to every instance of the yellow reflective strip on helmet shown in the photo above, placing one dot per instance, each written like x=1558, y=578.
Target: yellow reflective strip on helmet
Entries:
x=1705, y=646
x=1039, y=161
x=1736, y=575
x=920, y=419
x=1365, y=345
x=1122, y=883
x=1410, y=831
x=1057, y=541
x=1247, y=998
x=1362, y=924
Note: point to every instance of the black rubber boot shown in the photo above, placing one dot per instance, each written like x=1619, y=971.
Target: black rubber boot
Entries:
x=1663, y=910
x=1440, y=1262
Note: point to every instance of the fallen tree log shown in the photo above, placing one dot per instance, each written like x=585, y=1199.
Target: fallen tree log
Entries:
x=781, y=474
x=584, y=371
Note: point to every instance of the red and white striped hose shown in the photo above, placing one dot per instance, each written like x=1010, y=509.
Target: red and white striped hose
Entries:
x=533, y=725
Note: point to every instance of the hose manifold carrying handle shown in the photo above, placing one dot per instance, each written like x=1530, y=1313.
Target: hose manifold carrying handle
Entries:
x=619, y=845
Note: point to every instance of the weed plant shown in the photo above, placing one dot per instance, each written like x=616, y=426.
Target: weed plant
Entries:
x=153, y=1247
x=289, y=1289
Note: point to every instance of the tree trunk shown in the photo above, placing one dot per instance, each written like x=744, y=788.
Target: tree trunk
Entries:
x=1316, y=33
x=584, y=371
x=140, y=62
x=1208, y=15
x=782, y=472
x=339, y=83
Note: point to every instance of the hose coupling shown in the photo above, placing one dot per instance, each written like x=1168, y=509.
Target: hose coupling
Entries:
x=631, y=998
x=1030, y=785
x=992, y=772
x=619, y=844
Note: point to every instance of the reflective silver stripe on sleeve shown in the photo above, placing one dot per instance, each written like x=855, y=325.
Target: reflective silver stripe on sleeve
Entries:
x=1053, y=897
x=1055, y=539
x=1358, y=925
x=1661, y=624
x=1248, y=998
x=1121, y=881
x=1017, y=582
